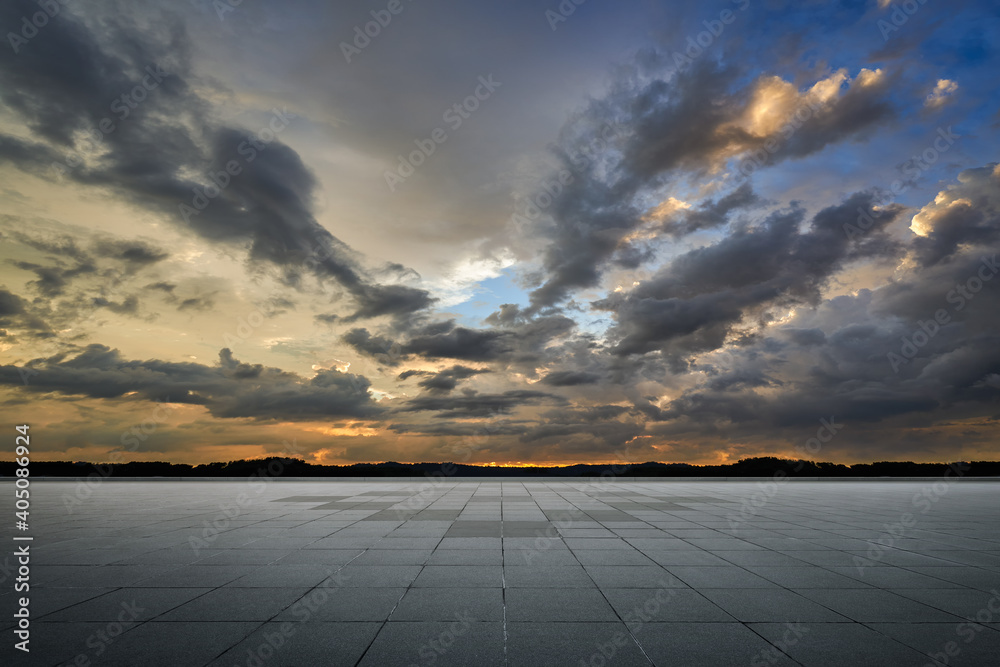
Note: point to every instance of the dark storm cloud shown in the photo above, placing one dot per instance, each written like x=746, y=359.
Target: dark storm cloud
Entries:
x=67, y=81
x=681, y=127
x=53, y=280
x=469, y=404
x=711, y=214
x=517, y=341
x=570, y=378
x=230, y=389
x=384, y=350
x=128, y=306
x=15, y=312
x=443, y=381
x=31, y=156
x=204, y=302
x=461, y=343
x=921, y=351
x=60, y=246
x=495, y=427
x=84, y=274
x=607, y=433
x=601, y=429
x=966, y=214
x=133, y=252
x=693, y=304
x=740, y=379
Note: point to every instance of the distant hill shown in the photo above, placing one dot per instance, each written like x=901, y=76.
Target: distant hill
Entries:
x=288, y=467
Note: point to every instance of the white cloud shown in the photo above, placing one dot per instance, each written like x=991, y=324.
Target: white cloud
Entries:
x=941, y=94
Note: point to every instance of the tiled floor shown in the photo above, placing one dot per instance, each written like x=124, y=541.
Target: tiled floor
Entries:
x=489, y=573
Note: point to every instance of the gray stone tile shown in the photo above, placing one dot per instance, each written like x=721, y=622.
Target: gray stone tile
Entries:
x=638, y=607
x=450, y=604
x=347, y=567
x=613, y=557
x=528, y=528
x=460, y=642
x=807, y=577
x=475, y=529
x=460, y=576
x=537, y=543
x=393, y=557
x=235, y=604
x=533, y=557
x=547, y=576
x=902, y=558
x=134, y=603
x=838, y=644
x=954, y=645
x=408, y=543
x=973, y=577
x=751, y=559
x=876, y=605
x=328, y=603
x=377, y=576
x=465, y=557
x=665, y=543
x=696, y=557
x=707, y=645
x=729, y=577
x=964, y=602
x=632, y=576
x=978, y=558
x=470, y=543
x=107, y=576
x=557, y=604
x=249, y=556
x=60, y=643
x=320, y=557
x=292, y=644
x=572, y=644
x=335, y=543
x=197, y=576
x=723, y=544
x=281, y=576
x=770, y=605
x=185, y=643
x=597, y=543
x=893, y=577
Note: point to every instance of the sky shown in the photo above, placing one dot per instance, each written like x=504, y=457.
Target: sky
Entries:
x=532, y=232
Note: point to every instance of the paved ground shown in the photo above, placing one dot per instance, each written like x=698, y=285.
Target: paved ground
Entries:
x=545, y=573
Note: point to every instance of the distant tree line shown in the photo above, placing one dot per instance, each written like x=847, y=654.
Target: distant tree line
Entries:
x=290, y=467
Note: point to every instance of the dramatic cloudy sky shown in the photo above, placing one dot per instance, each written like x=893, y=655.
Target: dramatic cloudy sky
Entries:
x=648, y=231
